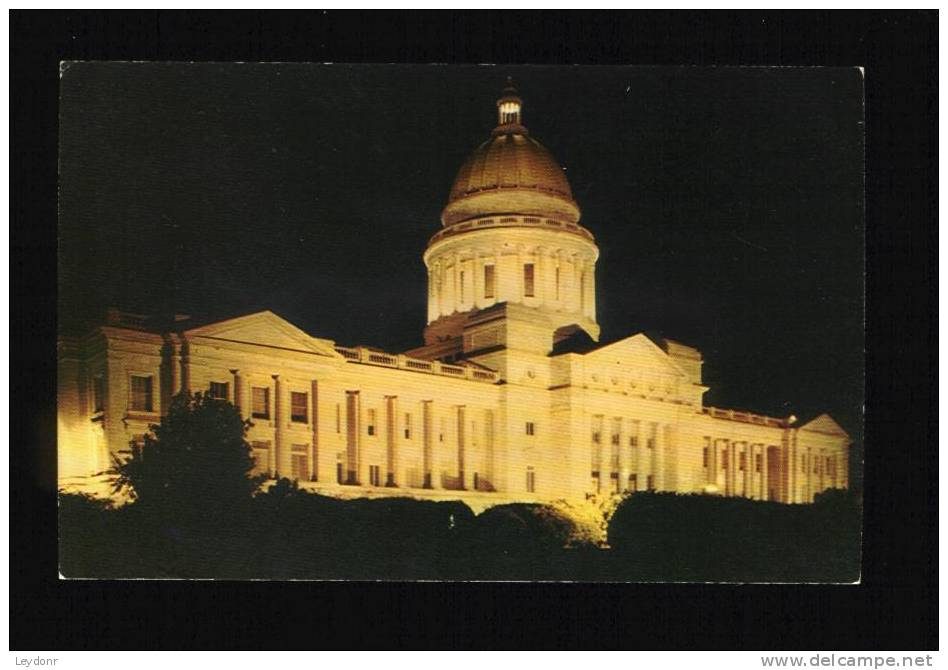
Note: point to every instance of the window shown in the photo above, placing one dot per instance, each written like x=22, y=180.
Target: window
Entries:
x=261, y=458
x=375, y=477
x=219, y=390
x=461, y=287
x=650, y=482
x=299, y=462
x=340, y=471
x=488, y=281
x=615, y=439
x=299, y=410
x=260, y=402
x=743, y=463
x=370, y=422
x=407, y=426
x=98, y=394
x=650, y=443
x=531, y=428
x=724, y=459
x=141, y=394
x=633, y=482
x=757, y=461
x=338, y=418
x=528, y=284
x=633, y=440
x=531, y=480
x=705, y=457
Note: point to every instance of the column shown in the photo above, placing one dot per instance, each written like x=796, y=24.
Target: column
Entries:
x=732, y=468
x=169, y=375
x=591, y=288
x=439, y=289
x=176, y=369
x=391, y=439
x=764, y=473
x=489, y=445
x=539, y=276
x=575, y=299
x=314, y=422
x=749, y=470
x=455, y=284
x=477, y=298
x=432, y=296
x=278, y=422
x=641, y=457
x=659, y=457
x=460, y=445
x=791, y=470
x=808, y=477
x=238, y=391
x=427, y=460
x=712, y=446
x=185, y=367
x=557, y=278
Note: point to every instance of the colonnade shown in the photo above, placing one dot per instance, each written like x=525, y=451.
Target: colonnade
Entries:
x=448, y=434
x=461, y=281
x=633, y=458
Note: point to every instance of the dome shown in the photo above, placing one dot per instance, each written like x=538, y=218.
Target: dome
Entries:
x=511, y=173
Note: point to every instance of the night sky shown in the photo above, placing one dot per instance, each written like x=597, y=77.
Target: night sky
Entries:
x=727, y=203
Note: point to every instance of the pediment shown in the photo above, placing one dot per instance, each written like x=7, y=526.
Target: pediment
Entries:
x=637, y=351
x=264, y=329
x=824, y=423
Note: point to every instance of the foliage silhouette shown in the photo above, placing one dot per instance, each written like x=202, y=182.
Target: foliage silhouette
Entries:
x=196, y=461
x=710, y=538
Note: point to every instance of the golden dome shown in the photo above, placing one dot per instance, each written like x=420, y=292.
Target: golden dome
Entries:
x=510, y=174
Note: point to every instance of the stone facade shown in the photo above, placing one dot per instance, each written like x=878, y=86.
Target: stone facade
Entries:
x=511, y=398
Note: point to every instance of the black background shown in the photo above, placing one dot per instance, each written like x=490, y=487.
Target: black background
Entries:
x=754, y=167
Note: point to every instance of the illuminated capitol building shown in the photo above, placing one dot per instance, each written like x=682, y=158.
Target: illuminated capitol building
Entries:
x=510, y=398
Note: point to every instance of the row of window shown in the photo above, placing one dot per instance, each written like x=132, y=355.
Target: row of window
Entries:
x=742, y=464
x=617, y=439
x=299, y=460
x=598, y=421
x=828, y=462
x=300, y=469
x=260, y=404
x=633, y=482
x=529, y=282
x=142, y=398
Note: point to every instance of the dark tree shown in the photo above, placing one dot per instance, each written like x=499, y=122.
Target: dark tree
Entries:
x=197, y=459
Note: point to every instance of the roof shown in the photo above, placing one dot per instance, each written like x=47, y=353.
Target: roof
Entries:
x=511, y=173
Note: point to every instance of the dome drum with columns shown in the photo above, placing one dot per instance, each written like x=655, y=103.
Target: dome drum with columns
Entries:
x=511, y=235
